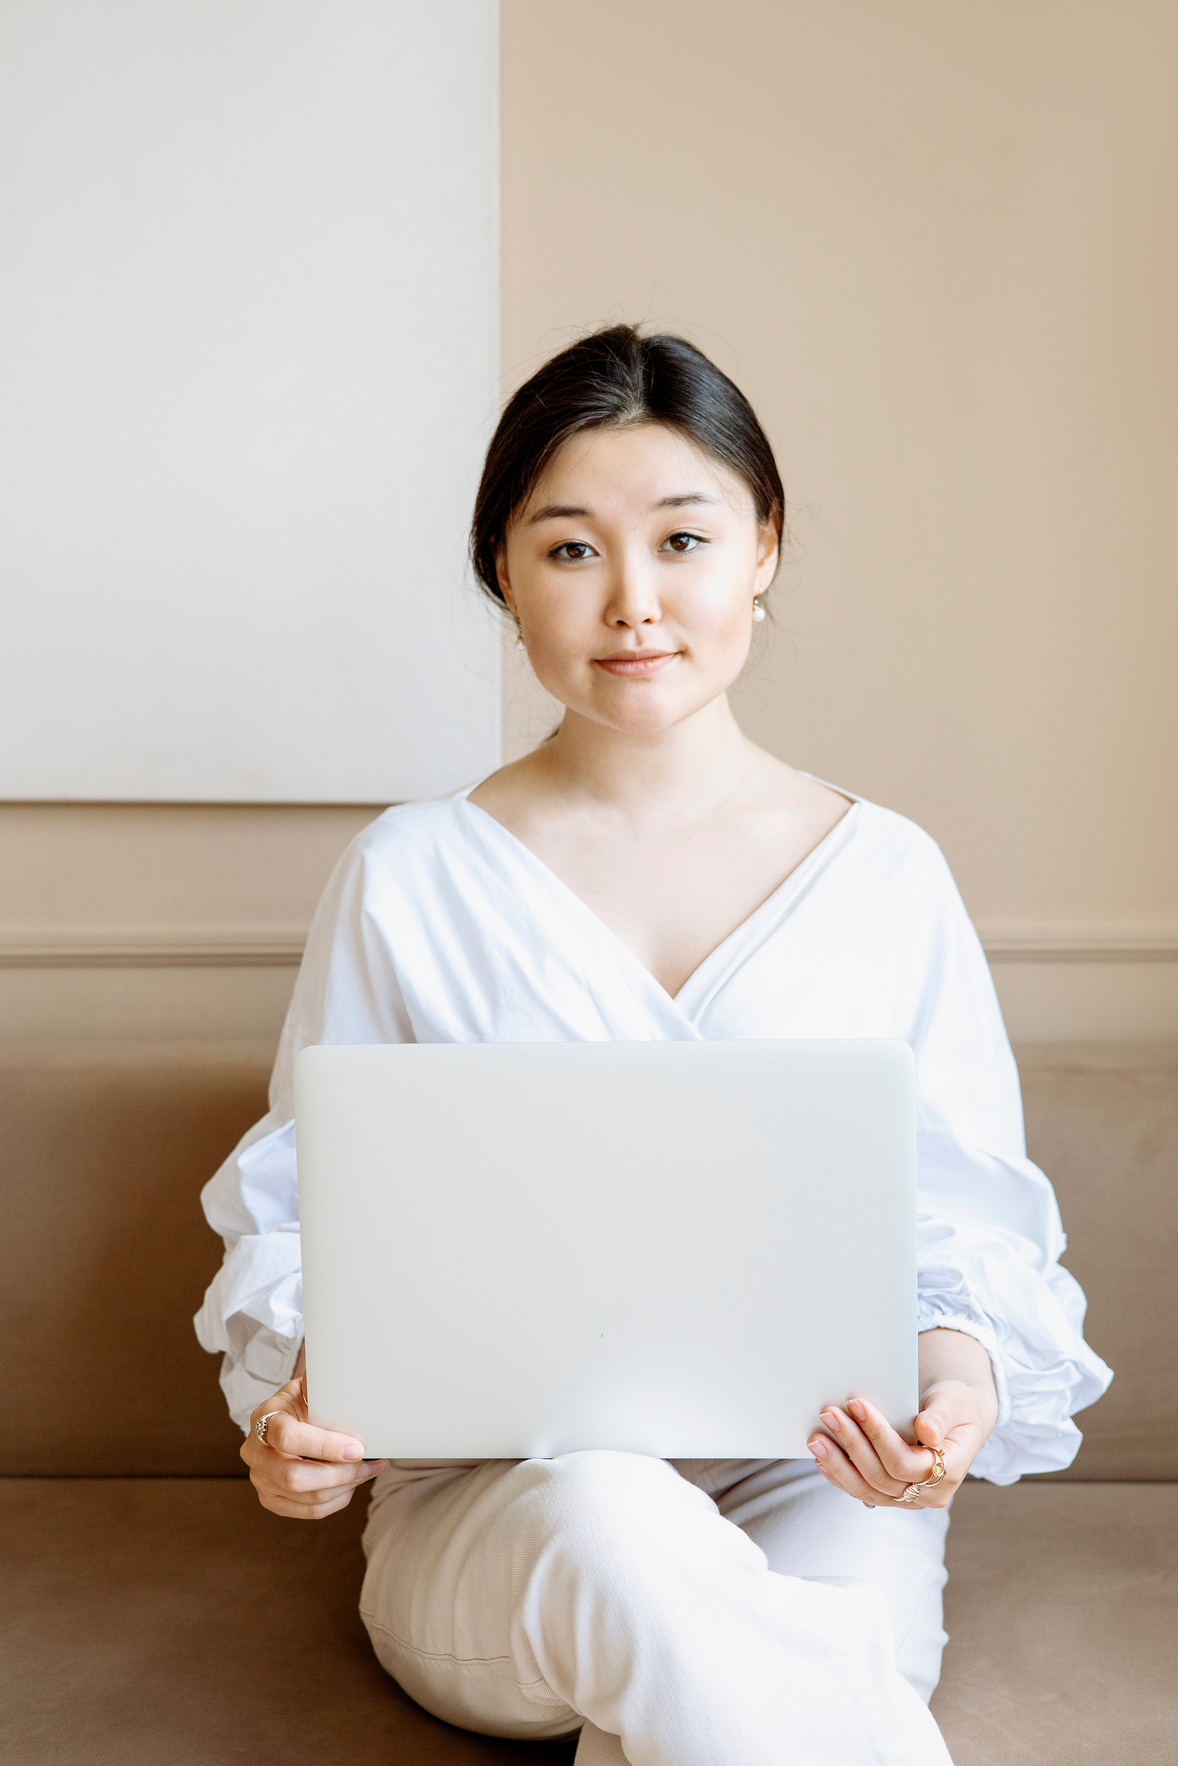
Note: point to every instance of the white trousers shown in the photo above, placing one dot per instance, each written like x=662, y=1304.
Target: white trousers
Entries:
x=701, y=1613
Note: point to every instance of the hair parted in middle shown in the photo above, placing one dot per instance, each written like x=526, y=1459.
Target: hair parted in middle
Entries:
x=615, y=379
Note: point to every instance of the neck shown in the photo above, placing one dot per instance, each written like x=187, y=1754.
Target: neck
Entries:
x=693, y=765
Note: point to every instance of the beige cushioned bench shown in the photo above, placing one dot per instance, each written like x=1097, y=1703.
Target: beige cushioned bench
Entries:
x=155, y=1613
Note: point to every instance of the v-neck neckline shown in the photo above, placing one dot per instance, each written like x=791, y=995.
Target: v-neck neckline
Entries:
x=722, y=954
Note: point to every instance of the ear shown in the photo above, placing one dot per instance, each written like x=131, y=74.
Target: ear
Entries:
x=504, y=581
x=768, y=552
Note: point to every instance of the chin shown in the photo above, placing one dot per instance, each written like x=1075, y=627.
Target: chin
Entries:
x=650, y=719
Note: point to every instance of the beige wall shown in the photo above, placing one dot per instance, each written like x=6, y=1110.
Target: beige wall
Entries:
x=158, y=920
x=939, y=248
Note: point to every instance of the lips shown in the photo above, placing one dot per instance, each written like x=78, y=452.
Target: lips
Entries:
x=635, y=664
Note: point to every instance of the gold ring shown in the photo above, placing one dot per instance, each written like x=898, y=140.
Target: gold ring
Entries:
x=260, y=1425
x=934, y=1477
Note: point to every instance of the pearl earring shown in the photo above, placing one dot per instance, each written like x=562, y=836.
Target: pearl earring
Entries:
x=758, y=610
x=519, y=633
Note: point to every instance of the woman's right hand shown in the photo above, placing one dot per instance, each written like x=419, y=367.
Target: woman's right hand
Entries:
x=299, y=1470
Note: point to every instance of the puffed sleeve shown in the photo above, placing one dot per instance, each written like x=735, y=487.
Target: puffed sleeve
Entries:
x=989, y=1236
x=346, y=992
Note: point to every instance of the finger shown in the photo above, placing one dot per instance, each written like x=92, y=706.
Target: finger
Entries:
x=842, y=1474
x=901, y=1460
x=839, y=1469
x=855, y=1445
x=304, y=1482
x=293, y=1475
x=292, y=1398
x=943, y=1409
x=294, y=1511
x=269, y=1464
x=287, y=1434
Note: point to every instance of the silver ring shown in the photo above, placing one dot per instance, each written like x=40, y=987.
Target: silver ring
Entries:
x=260, y=1425
x=870, y=1504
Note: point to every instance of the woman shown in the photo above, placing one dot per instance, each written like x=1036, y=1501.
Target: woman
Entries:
x=648, y=872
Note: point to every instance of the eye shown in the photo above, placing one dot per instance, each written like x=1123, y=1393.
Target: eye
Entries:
x=682, y=543
x=572, y=551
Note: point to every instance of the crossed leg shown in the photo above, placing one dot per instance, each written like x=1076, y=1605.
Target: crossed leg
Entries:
x=527, y=1598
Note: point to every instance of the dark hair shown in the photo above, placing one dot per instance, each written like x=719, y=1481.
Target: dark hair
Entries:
x=609, y=380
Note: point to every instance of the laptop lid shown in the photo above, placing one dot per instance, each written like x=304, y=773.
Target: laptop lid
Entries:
x=676, y=1248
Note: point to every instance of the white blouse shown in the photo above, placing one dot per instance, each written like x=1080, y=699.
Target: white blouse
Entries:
x=438, y=925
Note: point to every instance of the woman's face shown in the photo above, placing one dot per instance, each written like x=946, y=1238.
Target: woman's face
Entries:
x=632, y=570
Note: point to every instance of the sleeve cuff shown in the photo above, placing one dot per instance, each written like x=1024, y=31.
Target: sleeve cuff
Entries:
x=266, y=1362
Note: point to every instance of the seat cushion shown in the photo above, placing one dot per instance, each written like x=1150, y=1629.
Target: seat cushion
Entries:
x=1062, y=1613
x=172, y=1619
x=1102, y=1121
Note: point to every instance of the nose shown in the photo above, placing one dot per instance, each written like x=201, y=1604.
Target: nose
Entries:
x=633, y=598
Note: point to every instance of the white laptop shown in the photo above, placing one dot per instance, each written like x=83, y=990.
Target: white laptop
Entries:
x=676, y=1248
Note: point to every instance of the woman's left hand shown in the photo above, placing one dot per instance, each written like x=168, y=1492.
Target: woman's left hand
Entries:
x=869, y=1460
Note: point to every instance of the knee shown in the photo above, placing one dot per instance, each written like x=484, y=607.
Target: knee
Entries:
x=626, y=1507
x=600, y=1487
x=608, y=1498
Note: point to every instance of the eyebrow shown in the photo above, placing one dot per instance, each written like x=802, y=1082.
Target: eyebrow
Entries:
x=553, y=511
x=683, y=501
x=567, y=511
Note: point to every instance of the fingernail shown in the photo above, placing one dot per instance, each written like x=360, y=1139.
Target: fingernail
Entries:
x=818, y=1449
x=857, y=1410
x=831, y=1419
x=351, y=1453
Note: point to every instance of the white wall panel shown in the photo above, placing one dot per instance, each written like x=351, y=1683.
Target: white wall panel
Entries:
x=248, y=348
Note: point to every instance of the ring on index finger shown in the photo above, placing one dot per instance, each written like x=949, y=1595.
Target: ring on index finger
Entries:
x=260, y=1425
x=934, y=1477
